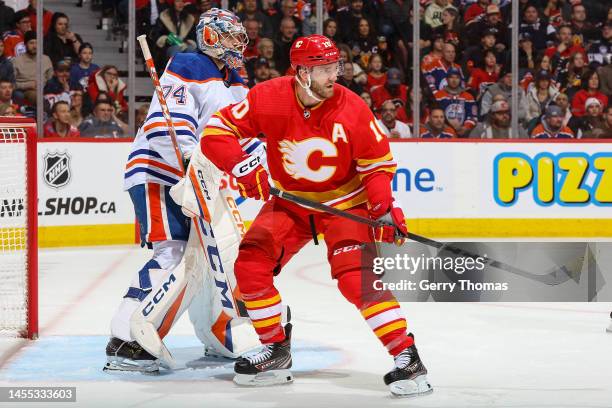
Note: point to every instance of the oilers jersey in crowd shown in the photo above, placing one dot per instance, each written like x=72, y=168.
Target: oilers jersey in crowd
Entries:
x=194, y=89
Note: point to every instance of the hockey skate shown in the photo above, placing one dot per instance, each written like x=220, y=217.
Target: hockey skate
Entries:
x=609, y=329
x=269, y=366
x=129, y=356
x=409, y=377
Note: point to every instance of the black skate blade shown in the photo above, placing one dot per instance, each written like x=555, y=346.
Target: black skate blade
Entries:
x=264, y=379
x=416, y=387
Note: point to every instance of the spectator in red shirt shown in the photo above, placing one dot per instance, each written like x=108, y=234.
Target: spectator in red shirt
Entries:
x=59, y=125
x=485, y=75
x=47, y=16
x=107, y=80
x=393, y=89
x=552, y=11
x=436, y=127
x=475, y=11
x=590, y=89
x=376, y=74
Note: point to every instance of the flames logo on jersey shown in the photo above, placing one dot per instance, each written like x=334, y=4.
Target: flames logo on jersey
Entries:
x=296, y=155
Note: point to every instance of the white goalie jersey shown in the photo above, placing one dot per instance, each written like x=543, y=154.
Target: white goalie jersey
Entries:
x=194, y=89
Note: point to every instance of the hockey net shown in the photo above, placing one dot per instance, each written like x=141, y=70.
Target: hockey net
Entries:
x=18, y=228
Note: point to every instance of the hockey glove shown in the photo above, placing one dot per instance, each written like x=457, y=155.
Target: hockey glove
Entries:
x=252, y=178
x=393, y=226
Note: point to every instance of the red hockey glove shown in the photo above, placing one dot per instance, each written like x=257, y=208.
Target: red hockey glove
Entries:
x=393, y=228
x=252, y=178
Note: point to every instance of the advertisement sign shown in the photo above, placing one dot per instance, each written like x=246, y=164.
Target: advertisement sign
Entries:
x=80, y=193
x=448, y=189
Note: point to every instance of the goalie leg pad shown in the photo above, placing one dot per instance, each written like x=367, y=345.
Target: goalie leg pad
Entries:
x=166, y=256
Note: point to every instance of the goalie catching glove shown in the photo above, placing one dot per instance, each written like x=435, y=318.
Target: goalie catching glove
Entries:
x=252, y=178
x=384, y=209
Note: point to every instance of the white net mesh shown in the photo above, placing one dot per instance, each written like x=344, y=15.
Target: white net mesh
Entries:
x=13, y=232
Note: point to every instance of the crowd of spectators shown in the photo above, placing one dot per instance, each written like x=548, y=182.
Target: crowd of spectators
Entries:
x=565, y=62
x=80, y=98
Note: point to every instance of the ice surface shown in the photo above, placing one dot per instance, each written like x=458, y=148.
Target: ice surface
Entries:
x=478, y=355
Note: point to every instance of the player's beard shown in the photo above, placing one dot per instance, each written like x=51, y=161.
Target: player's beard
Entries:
x=322, y=92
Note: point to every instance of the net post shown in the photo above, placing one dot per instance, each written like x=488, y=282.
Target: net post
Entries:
x=32, y=230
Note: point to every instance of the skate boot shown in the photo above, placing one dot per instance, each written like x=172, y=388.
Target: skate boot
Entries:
x=129, y=356
x=409, y=377
x=267, y=367
x=609, y=329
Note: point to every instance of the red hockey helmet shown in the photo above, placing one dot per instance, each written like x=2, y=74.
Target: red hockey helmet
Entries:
x=312, y=51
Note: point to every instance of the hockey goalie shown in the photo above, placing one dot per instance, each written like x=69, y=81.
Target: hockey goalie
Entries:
x=192, y=227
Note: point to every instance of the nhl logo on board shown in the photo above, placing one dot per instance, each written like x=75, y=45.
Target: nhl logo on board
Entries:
x=57, y=169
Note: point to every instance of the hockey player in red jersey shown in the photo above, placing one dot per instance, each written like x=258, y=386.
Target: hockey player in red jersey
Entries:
x=324, y=144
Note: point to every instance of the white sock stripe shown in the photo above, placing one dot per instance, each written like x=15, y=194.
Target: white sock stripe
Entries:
x=383, y=318
x=258, y=314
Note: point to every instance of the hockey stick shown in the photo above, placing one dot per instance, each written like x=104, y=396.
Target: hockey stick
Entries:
x=142, y=39
x=551, y=278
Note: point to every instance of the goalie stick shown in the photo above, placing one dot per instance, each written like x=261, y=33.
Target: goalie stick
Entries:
x=555, y=277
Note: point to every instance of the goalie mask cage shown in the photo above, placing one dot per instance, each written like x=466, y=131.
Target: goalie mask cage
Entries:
x=18, y=229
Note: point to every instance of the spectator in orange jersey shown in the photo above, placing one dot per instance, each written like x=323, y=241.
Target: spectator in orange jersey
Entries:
x=436, y=127
x=551, y=126
x=436, y=72
x=14, y=44
x=435, y=54
x=459, y=106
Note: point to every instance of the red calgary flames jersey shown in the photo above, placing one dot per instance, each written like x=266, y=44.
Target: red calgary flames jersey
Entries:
x=321, y=153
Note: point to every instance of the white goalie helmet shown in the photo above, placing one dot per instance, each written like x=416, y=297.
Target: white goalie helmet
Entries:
x=215, y=28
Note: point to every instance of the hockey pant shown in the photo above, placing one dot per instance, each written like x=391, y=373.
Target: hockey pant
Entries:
x=278, y=232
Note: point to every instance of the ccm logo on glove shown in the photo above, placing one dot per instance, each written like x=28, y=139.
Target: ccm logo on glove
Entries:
x=246, y=166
